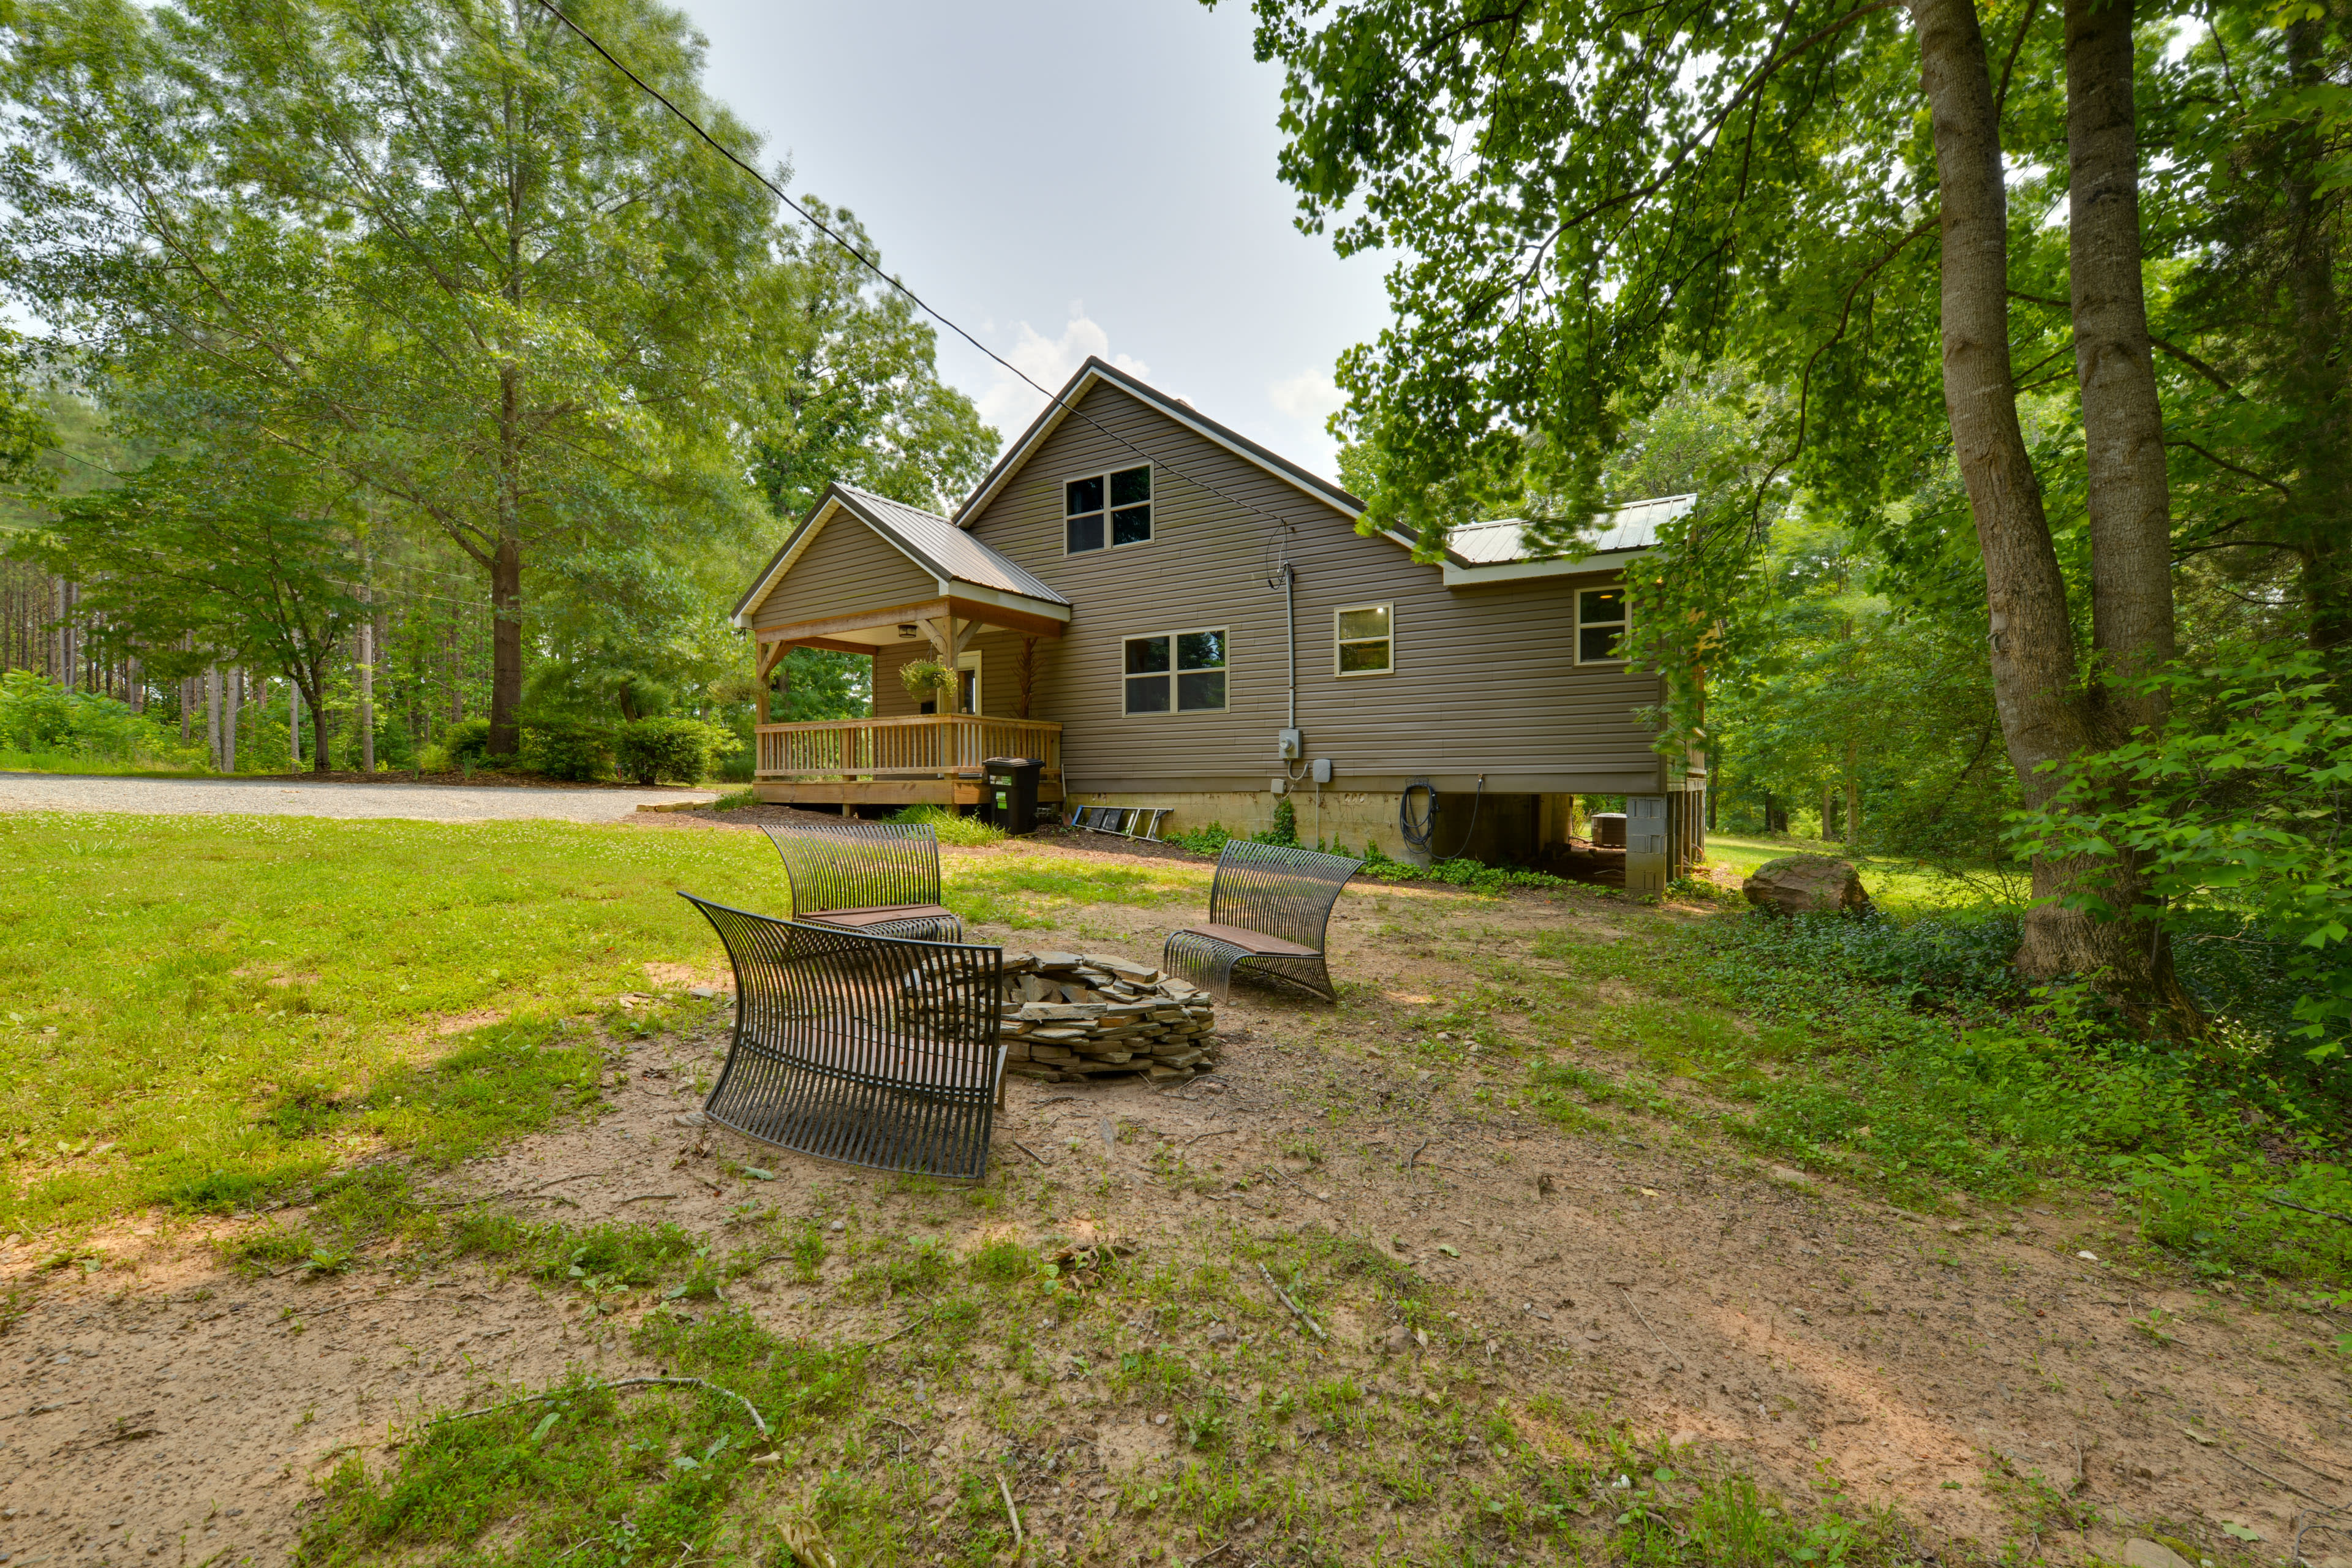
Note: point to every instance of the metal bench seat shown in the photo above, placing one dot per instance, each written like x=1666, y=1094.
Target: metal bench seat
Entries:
x=1269, y=912
x=875, y=1050
x=878, y=877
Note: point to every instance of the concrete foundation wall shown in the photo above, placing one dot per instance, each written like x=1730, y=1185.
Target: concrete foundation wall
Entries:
x=1507, y=830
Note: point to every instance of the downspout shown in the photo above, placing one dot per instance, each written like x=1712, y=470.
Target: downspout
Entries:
x=1290, y=653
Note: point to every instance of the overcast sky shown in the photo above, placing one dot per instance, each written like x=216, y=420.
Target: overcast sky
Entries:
x=1065, y=179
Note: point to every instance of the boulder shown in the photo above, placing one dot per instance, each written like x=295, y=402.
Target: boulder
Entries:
x=1807, y=884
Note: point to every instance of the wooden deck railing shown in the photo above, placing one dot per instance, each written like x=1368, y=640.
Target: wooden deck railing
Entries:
x=925, y=745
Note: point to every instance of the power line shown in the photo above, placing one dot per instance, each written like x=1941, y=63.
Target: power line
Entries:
x=862, y=260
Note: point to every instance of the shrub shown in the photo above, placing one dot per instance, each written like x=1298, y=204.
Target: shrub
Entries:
x=1285, y=823
x=467, y=743
x=671, y=747
x=566, y=749
x=41, y=720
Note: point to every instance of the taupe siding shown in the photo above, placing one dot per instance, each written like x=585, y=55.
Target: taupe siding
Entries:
x=1486, y=679
x=1000, y=684
x=849, y=567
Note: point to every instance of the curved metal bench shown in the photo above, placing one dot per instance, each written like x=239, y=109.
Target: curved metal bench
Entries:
x=873, y=1050
x=1269, y=910
x=878, y=877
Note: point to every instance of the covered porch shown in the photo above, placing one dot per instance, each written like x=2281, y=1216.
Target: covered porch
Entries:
x=904, y=759
x=864, y=575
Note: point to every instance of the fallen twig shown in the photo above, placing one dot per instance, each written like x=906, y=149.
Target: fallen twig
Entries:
x=2275, y=1481
x=1212, y=1133
x=894, y=1333
x=1415, y=1154
x=655, y=1198
x=2291, y=1204
x=1645, y=1326
x=1028, y=1151
x=1013, y=1513
x=1314, y=1326
x=751, y=1408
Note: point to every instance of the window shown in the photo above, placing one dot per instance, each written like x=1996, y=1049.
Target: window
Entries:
x=1181, y=672
x=1366, y=644
x=1127, y=491
x=1600, y=623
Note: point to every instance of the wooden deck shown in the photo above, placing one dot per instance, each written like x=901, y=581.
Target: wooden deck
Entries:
x=927, y=758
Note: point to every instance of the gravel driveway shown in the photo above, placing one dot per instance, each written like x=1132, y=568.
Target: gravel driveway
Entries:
x=278, y=797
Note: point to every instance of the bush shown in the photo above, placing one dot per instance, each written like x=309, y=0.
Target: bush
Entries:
x=566, y=749
x=670, y=747
x=467, y=743
x=46, y=723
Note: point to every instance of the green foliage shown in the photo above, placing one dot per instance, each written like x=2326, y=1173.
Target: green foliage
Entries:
x=2235, y=808
x=670, y=747
x=926, y=679
x=1468, y=875
x=952, y=826
x=467, y=743
x=40, y=718
x=1284, y=829
x=566, y=749
x=1901, y=1056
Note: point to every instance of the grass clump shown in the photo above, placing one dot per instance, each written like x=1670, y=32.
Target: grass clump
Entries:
x=952, y=826
x=596, y=1474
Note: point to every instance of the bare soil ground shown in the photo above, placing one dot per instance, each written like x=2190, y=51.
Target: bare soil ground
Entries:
x=1961, y=1370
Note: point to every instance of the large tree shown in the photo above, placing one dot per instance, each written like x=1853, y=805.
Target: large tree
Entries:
x=1586, y=196
x=434, y=246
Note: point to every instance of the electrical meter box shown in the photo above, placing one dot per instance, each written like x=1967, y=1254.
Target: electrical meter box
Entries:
x=1289, y=744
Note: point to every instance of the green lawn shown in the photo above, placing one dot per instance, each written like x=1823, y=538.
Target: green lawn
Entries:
x=198, y=1012
x=1901, y=888
x=195, y=1011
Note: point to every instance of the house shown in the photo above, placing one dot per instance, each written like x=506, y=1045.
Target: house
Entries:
x=1170, y=615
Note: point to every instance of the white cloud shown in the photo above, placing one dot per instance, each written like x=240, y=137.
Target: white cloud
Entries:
x=1311, y=397
x=1010, y=403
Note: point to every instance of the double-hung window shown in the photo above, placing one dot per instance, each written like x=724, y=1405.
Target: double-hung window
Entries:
x=1176, y=673
x=1367, y=640
x=1113, y=508
x=1599, y=626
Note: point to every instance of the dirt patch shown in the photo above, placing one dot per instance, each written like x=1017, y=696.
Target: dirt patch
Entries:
x=1952, y=1368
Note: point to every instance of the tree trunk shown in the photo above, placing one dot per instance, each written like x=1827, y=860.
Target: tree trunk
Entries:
x=315, y=697
x=212, y=715
x=367, y=691
x=2129, y=500
x=1853, y=795
x=2317, y=371
x=293, y=725
x=2045, y=716
x=506, y=646
x=231, y=705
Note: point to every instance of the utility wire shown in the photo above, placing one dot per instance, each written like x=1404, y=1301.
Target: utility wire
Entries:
x=867, y=262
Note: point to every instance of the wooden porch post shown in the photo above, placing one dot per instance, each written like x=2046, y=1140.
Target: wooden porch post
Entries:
x=949, y=637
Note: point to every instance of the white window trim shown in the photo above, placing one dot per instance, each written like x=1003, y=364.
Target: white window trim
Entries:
x=1104, y=475
x=1624, y=627
x=1172, y=710
x=1338, y=641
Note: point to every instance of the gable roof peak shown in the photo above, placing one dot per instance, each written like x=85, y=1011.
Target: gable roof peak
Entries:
x=1063, y=404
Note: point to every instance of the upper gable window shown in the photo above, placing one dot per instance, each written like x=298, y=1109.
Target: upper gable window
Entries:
x=1600, y=625
x=1106, y=508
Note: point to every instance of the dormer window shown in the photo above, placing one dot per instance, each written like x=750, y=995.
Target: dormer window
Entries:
x=1106, y=508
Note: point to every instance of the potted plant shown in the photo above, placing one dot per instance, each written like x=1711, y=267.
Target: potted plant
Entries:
x=927, y=680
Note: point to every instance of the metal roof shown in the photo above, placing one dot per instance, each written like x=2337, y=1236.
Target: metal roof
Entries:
x=939, y=545
x=1631, y=527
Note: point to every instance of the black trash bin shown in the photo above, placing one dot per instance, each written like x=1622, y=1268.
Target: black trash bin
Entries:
x=1009, y=793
